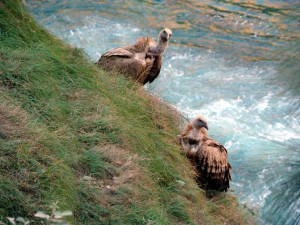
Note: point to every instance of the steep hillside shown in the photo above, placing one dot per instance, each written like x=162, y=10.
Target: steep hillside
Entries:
x=94, y=142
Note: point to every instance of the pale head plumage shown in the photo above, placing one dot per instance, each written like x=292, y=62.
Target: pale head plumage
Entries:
x=164, y=36
x=200, y=122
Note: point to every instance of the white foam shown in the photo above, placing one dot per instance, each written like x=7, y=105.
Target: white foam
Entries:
x=264, y=103
x=228, y=144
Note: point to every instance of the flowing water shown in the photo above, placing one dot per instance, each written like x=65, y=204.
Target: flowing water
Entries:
x=235, y=62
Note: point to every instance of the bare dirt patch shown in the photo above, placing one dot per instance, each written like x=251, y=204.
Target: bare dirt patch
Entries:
x=127, y=164
x=12, y=122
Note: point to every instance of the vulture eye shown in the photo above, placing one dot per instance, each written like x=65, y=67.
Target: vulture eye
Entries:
x=165, y=32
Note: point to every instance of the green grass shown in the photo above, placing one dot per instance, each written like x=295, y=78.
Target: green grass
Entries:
x=91, y=140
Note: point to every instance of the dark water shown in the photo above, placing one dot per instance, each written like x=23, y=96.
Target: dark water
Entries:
x=235, y=62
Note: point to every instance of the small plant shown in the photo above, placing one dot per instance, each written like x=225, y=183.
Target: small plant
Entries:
x=56, y=217
x=14, y=221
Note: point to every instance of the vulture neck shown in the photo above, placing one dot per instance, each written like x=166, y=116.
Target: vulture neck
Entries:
x=204, y=135
x=162, y=45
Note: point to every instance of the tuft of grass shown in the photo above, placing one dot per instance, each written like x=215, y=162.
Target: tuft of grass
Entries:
x=96, y=165
x=90, y=140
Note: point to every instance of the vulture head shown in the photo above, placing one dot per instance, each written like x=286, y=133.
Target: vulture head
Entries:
x=162, y=43
x=200, y=122
x=164, y=36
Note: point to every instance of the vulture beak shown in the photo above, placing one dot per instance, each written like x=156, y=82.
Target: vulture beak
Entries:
x=165, y=36
x=200, y=123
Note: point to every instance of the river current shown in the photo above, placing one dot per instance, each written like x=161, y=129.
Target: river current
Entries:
x=234, y=62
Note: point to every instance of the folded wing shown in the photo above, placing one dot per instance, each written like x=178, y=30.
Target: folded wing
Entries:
x=213, y=166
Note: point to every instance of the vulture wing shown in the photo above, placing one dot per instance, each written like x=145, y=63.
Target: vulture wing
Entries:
x=121, y=52
x=132, y=61
x=126, y=60
x=213, y=165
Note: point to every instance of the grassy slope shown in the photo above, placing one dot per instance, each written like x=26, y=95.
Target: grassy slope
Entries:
x=93, y=141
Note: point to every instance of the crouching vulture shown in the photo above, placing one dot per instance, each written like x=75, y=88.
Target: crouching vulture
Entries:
x=141, y=61
x=207, y=155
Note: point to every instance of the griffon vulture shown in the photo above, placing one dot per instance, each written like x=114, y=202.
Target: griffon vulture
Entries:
x=141, y=61
x=208, y=156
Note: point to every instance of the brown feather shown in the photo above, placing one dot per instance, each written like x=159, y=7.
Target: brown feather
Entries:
x=209, y=157
x=141, y=61
x=155, y=70
x=129, y=60
x=163, y=41
x=190, y=141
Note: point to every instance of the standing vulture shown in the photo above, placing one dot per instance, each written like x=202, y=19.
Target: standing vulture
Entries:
x=208, y=156
x=141, y=61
